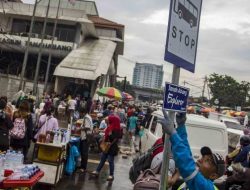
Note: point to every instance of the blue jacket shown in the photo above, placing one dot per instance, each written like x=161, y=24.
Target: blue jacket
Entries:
x=186, y=164
x=242, y=156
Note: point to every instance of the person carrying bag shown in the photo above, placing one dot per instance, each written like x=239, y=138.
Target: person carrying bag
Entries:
x=46, y=123
x=110, y=146
x=40, y=129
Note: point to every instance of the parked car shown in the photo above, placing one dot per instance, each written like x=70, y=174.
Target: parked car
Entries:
x=201, y=132
x=235, y=131
x=222, y=117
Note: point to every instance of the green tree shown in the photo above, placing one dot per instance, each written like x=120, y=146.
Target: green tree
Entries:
x=129, y=88
x=228, y=91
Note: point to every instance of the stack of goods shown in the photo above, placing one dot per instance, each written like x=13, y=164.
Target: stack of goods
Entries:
x=24, y=172
x=56, y=137
x=10, y=160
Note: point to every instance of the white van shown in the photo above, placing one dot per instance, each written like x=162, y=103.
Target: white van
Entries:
x=201, y=132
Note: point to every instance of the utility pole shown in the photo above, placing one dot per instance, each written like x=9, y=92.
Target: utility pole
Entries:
x=125, y=82
x=208, y=92
x=203, y=89
x=50, y=55
x=27, y=48
x=40, y=53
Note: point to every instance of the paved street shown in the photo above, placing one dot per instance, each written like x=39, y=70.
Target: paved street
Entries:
x=84, y=181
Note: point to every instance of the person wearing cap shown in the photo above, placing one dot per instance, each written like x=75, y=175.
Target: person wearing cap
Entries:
x=210, y=167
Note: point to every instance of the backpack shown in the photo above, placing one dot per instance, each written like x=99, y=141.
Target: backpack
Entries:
x=19, y=129
x=148, y=180
x=141, y=163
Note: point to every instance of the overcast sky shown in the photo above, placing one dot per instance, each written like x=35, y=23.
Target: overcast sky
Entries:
x=224, y=38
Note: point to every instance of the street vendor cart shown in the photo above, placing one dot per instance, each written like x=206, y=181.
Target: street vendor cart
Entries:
x=50, y=158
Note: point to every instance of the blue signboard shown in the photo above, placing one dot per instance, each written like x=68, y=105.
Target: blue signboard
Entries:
x=175, y=97
x=183, y=31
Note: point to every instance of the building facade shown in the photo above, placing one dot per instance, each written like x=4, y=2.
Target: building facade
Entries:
x=148, y=75
x=84, y=51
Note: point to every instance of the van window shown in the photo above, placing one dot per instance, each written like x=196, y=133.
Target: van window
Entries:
x=154, y=124
x=233, y=125
x=158, y=131
x=199, y=136
x=148, y=122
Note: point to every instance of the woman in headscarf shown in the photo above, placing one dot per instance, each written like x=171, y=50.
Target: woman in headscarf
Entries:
x=112, y=135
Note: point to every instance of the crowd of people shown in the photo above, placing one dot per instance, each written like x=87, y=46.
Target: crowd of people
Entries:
x=37, y=119
x=25, y=121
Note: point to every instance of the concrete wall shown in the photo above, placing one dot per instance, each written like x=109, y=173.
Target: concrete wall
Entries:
x=9, y=85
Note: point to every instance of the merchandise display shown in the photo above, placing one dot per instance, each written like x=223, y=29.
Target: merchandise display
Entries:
x=14, y=174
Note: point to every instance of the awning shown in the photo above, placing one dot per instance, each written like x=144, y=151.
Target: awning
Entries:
x=89, y=61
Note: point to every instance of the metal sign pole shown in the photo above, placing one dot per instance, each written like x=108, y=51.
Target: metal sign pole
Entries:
x=167, y=146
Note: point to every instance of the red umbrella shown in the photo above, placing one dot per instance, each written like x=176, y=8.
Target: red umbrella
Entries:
x=127, y=96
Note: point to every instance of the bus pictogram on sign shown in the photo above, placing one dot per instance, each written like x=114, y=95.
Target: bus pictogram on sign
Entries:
x=186, y=11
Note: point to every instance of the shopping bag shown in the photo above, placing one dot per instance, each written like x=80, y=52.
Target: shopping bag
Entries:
x=105, y=146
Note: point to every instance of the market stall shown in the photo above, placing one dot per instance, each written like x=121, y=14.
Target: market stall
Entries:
x=50, y=153
x=50, y=158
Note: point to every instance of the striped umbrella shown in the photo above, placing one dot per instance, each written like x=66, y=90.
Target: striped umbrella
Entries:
x=110, y=92
x=127, y=96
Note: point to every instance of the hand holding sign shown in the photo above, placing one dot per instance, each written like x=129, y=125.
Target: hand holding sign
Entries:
x=181, y=119
x=167, y=124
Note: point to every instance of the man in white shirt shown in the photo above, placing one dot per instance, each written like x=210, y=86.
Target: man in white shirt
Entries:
x=71, y=107
x=86, y=131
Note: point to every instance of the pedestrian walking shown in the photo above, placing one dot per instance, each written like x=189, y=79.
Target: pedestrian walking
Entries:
x=71, y=107
x=112, y=135
x=22, y=132
x=132, y=126
x=86, y=133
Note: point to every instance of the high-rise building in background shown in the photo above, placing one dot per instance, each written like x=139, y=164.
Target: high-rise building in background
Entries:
x=148, y=75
